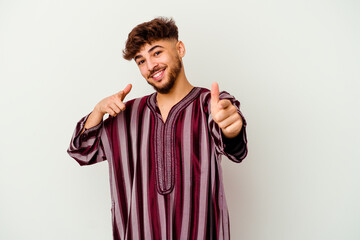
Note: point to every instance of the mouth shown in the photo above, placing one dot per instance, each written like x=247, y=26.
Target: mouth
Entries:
x=158, y=75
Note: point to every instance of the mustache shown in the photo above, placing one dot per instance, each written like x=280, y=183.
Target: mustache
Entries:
x=154, y=70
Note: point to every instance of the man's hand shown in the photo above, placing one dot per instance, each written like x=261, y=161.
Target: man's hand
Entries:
x=225, y=114
x=113, y=104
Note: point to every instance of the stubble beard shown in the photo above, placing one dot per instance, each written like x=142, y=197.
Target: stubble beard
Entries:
x=173, y=75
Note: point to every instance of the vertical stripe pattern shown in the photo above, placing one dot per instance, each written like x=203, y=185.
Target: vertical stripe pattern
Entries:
x=165, y=178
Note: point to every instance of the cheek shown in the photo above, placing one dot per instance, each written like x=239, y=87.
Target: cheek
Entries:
x=143, y=72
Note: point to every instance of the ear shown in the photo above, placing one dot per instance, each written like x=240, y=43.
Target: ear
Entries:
x=180, y=47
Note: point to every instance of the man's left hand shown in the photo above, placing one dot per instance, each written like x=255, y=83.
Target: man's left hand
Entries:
x=225, y=114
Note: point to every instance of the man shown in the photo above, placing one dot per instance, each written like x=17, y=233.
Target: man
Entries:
x=164, y=150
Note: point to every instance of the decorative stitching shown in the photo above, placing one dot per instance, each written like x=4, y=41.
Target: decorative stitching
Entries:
x=165, y=140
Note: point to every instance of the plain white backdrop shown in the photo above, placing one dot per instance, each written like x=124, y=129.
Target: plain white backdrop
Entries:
x=294, y=66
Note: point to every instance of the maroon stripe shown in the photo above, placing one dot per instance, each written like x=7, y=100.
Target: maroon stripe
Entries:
x=179, y=183
x=152, y=194
x=129, y=151
x=116, y=233
x=135, y=183
x=117, y=166
x=216, y=203
x=168, y=214
x=138, y=179
x=139, y=195
x=196, y=170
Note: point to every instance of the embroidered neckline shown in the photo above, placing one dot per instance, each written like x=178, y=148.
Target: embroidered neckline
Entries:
x=165, y=140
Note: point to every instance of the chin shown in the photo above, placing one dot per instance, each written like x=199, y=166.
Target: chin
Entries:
x=165, y=87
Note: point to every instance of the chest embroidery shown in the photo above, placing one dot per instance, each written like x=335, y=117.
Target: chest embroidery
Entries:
x=164, y=140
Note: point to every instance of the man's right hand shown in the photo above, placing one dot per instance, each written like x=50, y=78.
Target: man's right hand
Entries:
x=112, y=105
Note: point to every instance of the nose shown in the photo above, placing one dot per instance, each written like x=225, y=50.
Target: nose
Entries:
x=151, y=65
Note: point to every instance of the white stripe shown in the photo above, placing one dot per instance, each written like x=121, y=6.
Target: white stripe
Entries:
x=113, y=182
x=145, y=172
x=221, y=234
x=172, y=213
x=162, y=214
x=124, y=163
x=204, y=147
x=187, y=150
x=134, y=209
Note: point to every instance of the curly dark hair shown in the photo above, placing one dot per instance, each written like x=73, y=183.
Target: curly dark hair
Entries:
x=148, y=32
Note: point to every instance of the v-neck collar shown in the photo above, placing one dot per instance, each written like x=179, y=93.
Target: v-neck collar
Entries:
x=164, y=139
x=153, y=105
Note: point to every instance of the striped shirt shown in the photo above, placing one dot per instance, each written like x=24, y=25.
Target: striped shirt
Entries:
x=165, y=177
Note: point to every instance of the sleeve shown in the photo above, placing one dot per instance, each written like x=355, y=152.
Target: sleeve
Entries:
x=235, y=148
x=87, y=148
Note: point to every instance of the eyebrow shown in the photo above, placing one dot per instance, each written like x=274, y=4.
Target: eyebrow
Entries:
x=150, y=50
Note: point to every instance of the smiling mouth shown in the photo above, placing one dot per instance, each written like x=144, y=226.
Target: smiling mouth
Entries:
x=158, y=74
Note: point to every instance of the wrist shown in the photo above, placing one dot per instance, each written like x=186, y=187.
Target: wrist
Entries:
x=97, y=112
x=230, y=135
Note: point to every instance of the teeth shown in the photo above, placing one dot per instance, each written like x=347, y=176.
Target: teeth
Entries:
x=157, y=74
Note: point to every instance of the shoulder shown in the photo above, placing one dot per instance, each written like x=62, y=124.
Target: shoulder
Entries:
x=137, y=102
x=205, y=95
x=133, y=105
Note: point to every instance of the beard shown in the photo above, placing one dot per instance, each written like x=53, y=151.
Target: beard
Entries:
x=173, y=75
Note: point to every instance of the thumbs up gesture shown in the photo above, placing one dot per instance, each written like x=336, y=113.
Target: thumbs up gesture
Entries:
x=225, y=114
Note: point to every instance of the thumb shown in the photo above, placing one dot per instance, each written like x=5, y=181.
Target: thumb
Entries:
x=214, y=92
x=125, y=92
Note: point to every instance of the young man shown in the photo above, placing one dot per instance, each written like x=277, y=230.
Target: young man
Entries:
x=164, y=150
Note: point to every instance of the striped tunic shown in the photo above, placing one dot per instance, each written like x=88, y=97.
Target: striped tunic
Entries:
x=165, y=178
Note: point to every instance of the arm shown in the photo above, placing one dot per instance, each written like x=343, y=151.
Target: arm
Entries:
x=112, y=105
x=86, y=145
x=227, y=125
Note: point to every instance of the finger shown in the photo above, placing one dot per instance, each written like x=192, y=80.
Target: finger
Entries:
x=233, y=129
x=215, y=92
x=225, y=103
x=115, y=108
x=225, y=113
x=119, y=104
x=111, y=112
x=126, y=91
x=228, y=121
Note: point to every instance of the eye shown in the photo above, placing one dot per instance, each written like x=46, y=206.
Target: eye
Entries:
x=157, y=53
x=141, y=62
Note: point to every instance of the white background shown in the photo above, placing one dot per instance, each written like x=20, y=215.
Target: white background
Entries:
x=294, y=66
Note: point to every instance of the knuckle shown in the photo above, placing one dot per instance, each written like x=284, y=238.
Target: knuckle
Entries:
x=235, y=116
x=215, y=118
x=121, y=106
